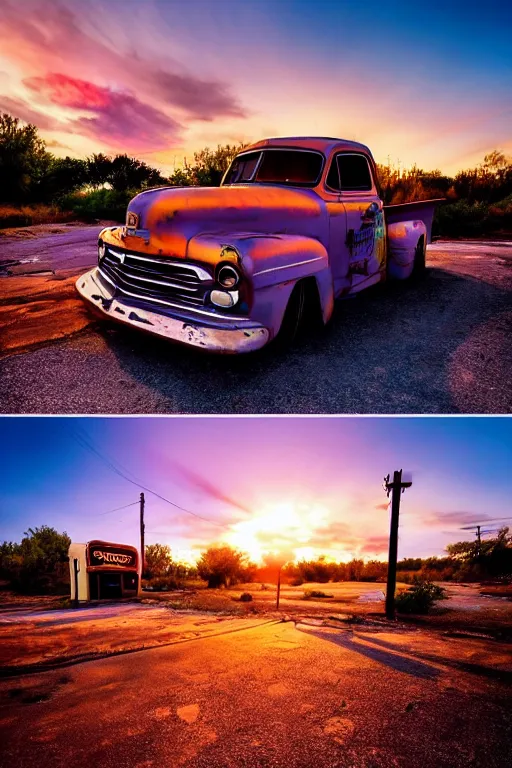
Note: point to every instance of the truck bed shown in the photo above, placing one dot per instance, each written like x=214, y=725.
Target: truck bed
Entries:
x=418, y=209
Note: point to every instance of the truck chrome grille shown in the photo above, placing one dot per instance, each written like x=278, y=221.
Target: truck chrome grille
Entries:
x=150, y=277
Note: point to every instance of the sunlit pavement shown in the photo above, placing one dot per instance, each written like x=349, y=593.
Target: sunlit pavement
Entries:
x=278, y=695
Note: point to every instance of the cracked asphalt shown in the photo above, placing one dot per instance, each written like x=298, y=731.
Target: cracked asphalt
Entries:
x=442, y=345
x=274, y=696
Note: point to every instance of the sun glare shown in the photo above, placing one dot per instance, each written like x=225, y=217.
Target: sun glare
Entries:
x=284, y=529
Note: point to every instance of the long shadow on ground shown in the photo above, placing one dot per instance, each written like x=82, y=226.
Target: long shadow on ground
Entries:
x=386, y=351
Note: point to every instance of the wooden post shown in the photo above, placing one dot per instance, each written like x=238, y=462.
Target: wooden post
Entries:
x=75, y=575
x=395, y=488
x=142, y=528
x=393, y=545
x=278, y=587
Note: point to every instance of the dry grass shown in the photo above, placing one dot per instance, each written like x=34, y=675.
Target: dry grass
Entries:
x=27, y=215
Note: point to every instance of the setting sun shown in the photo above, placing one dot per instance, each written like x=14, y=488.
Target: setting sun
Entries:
x=283, y=529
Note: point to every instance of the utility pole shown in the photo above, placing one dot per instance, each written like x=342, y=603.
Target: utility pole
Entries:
x=396, y=488
x=478, y=540
x=142, y=550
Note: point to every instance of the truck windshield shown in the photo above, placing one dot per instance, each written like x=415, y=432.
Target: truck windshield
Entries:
x=276, y=166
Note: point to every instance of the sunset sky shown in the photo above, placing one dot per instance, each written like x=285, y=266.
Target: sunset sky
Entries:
x=429, y=83
x=302, y=487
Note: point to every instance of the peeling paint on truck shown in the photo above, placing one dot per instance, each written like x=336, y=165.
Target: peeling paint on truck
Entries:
x=217, y=267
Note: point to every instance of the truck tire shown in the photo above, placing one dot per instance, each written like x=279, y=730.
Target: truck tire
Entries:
x=293, y=316
x=303, y=311
x=420, y=255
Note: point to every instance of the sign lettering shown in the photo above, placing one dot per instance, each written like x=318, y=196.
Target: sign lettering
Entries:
x=111, y=557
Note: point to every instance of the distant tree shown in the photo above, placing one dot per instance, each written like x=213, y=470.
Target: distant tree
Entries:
x=492, y=558
x=210, y=165
x=9, y=559
x=157, y=560
x=98, y=169
x=374, y=570
x=23, y=160
x=465, y=551
x=40, y=563
x=181, y=177
x=223, y=566
x=130, y=173
x=122, y=173
x=63, y=175
x=355, y=569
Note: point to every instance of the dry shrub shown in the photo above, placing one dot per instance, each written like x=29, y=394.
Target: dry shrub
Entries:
x=27, y=215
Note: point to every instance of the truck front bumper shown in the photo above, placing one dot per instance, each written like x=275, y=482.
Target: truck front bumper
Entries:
x=206, y=331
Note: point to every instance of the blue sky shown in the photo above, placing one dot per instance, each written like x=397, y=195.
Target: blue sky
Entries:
x=311, y=484
x=429, y=84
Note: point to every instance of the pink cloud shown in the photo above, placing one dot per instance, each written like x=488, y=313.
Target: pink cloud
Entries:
x=118, y=118
x=202, y=99
x=24, y=111
x=456, y=518
x=69, y=91
x=40, y=36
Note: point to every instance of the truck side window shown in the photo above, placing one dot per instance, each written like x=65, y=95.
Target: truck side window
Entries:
x=354, y=172
x=333, y=177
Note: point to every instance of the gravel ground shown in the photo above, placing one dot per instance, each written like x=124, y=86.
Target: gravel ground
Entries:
x=440, y=346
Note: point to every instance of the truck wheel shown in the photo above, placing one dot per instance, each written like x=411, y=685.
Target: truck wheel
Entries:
x=302, y=312
x=293, y=316
x=420, y=253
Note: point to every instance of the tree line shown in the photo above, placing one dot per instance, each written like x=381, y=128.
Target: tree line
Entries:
x=39, y=565
x=479, y=199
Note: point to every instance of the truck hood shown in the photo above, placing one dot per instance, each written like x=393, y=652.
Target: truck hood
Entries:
x=174, y=216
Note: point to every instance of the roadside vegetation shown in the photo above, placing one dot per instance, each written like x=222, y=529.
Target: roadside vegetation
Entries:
x=420, y=598
x=38, y=187
x=39, y=565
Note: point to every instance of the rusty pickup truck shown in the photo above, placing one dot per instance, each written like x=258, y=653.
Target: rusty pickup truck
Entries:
x=295, y=224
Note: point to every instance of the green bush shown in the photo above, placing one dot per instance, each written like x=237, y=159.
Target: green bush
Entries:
x=464, y=219
x=162, y=584
x=39, y=565
x=99, y=204
x=419, y=598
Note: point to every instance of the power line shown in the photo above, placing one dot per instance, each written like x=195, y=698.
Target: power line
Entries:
x=85, y=442
x=489, y=521
x=100, y=514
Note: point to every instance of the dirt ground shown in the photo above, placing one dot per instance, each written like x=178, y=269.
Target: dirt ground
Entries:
x=39, y=230
x=39, y=631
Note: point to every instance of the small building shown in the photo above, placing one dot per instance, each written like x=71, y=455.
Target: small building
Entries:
x=102, y=570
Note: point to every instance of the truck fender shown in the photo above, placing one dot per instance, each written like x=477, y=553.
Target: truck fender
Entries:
x=274, y=264
x=278, y=263
x=403, y=239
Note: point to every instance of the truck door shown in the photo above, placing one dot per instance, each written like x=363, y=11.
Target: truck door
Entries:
x=365, y=246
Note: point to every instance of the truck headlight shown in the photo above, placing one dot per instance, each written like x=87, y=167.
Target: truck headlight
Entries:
x=228, y=276
x=224, y=299
x=101, y=251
